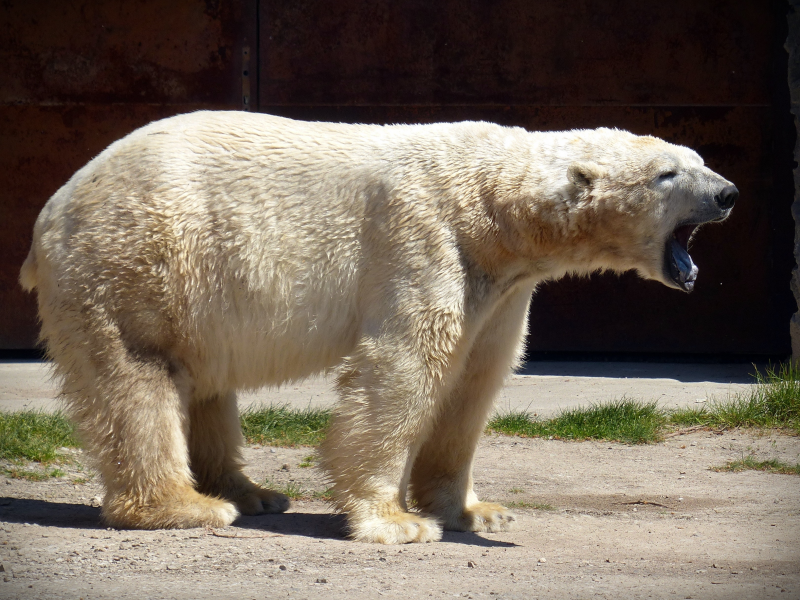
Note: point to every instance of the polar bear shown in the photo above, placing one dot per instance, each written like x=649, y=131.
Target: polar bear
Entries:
x=221, y=251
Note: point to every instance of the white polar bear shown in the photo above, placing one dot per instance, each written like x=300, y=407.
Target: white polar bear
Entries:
x=220, y=251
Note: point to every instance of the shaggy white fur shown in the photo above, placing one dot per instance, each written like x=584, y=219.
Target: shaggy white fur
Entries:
x=219, y=251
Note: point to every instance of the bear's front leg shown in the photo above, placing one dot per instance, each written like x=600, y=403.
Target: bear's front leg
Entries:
x=441, y=479
x=368, y=451
x=391, y=388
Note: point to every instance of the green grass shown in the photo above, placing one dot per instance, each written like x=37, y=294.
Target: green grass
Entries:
x=774, y=402
x=284, y=426
x=750, y=463
x=624, y=420
x=35, y=436
x=292, y=489
x=326, y=494
x=16, y=472
x=308, y=461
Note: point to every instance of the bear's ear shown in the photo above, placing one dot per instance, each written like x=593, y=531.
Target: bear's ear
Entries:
x=583, y=174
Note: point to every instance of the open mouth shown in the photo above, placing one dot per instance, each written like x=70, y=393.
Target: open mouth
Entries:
x=678, y=263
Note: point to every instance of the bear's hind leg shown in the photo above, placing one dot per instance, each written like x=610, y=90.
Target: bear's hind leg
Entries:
x=215, y=440
x=132, y=415
x=441, y=479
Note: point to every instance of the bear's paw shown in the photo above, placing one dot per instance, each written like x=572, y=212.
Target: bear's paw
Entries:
x=397, y=528
x=259, y=501
x=179, y=509
x=485, y=517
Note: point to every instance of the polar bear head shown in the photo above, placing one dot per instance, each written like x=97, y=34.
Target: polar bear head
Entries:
x=645, y=198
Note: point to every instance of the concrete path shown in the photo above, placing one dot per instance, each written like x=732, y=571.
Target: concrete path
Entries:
x=541, y=387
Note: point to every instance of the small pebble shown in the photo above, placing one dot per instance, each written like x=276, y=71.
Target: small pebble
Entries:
x=322, y=580
x=471, y=564
x=282, y=567
x=542, y=560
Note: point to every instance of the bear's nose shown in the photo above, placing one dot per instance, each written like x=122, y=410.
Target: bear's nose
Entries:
x=727, y=197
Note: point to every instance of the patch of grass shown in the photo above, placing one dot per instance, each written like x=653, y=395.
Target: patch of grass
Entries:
x=773, y=402
x=292, y=489
x=284, y=426
x=533, y=505
x=515, y=490
x=35, y=435
x=690, y=417
x=323, y=495
x=624, y=420
x=751, y=463
x=43, y=475
x=307, y=461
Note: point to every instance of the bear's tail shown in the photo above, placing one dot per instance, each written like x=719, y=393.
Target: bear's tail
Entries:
x=28, y=274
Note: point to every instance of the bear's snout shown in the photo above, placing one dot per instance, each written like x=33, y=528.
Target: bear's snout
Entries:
x=727, y=197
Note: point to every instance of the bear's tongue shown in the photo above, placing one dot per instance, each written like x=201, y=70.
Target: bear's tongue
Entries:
x=681, y=268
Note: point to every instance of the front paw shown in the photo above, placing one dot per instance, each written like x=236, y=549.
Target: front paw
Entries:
x=484, y=517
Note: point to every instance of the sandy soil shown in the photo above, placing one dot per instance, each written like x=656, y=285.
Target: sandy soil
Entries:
x=622, y=522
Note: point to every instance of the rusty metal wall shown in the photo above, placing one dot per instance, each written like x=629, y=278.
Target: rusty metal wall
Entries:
x=703, y=73
x=78, y=75
x=709, y=74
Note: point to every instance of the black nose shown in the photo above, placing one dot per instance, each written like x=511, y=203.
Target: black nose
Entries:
x=727, y=197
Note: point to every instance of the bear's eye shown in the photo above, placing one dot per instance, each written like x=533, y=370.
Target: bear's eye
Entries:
x=667, y=175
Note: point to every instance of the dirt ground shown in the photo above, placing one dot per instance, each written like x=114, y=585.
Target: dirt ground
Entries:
x=594, y=520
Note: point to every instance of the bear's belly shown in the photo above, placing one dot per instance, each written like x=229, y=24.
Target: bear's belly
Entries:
x=273, y=338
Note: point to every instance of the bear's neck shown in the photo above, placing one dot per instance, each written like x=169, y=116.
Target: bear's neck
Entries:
x=524, y=219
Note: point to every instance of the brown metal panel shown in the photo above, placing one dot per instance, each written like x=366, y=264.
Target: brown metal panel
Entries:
x=119, y=51
x=547, y=52
x=79, y=75
x=40, y=148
